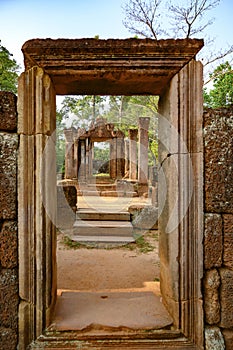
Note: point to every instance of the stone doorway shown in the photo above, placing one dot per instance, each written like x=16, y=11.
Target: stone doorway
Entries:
x=130, y=272
x=114, y=67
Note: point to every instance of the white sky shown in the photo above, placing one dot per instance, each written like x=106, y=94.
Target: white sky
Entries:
x=21, y=20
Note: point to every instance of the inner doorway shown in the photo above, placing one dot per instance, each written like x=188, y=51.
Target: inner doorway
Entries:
x=112, y=271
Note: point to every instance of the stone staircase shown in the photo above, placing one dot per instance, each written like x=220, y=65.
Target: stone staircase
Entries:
x=102, y=227
x=119, y=189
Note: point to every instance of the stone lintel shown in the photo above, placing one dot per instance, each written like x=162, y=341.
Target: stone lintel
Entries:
x=77, y=66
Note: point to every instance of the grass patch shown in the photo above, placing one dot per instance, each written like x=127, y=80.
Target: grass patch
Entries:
x=140, y=245
x=143, y=245
x=74, y=245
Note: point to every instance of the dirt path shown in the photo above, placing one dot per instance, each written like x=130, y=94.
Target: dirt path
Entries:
x=118, y=268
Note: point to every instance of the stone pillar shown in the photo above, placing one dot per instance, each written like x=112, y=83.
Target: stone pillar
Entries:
x=133, y=154
x=180, y=196
x=120, y=157
x=87, y=158
x=143, y=150
x=37, y=202
x=91, y=150
x=113, y=158
x=126, y=158
x=82, y=168
x=69, y=154
x=76, y=144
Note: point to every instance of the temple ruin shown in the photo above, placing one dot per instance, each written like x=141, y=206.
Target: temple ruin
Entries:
x=123, y=162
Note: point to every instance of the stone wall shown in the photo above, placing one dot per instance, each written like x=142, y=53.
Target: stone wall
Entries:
x=9, y=299
x=218, y=234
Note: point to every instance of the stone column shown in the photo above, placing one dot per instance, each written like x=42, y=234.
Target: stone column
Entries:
x=69, y=154
x=113, y=158
x=126, y=158
x=91, y=149
x=133, y=154
x=76, y=144
x=87, y=158
x=180, y=194
x=143, y=150
x=82, y=168
x=37, y=202
x=120, y=157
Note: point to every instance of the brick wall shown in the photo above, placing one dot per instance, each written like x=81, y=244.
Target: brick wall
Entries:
x=8, y=223
x=218, y=234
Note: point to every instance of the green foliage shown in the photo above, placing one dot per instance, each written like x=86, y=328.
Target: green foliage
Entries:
x=85, y=109
x=221, y=95
x=8, y=71
x=101, y=151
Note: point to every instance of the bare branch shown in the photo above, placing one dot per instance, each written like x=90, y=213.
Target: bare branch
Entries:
x=220, y=55
x=188, y=19
x=141, y=18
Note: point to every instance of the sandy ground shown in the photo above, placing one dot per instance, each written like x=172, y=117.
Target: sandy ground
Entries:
x=98, y=269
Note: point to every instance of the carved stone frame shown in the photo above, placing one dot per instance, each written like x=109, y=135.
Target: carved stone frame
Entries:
x=166, y=68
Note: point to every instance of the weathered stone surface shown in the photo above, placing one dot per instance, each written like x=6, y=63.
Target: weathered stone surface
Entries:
x=9, y=245
x=70, y=194
x=144, y=217
x=214, y=339
x=8, y=339
x=211, y=297
x=9, y=298
x=213, y=241
x=146, y=72
x=8, y=111
x=8, y=166
x=226, y=298
x=228, y=337
x=228, y=240
x=218, y=137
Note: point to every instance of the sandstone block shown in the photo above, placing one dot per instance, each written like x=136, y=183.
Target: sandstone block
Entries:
x=218, y=149
x=68, y=192
x=8, y=167
x=228, y=240
x=211, y=297
x=213, y=241
x=226, y=298
x=8, y=339
x=9, y=298
x=9, y=245
x=8, y=111
x=214, y=339
x=228, y=337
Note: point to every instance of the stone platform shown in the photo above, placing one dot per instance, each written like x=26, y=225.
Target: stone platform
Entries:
x=130, y=310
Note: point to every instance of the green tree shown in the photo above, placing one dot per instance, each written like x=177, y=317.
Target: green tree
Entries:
x=8, y=71
x=84, y=108
x=221, y=95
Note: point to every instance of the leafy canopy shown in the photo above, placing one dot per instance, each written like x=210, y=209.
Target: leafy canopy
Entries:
x=221, y=95
x=8, y=71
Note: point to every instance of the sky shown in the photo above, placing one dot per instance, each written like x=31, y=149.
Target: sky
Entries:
x=21, y=20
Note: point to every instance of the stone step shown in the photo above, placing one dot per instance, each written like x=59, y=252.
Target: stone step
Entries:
x=103, y=239
x=119, y=194
x=107, y=193
x=89, y=214
x=102, y=228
